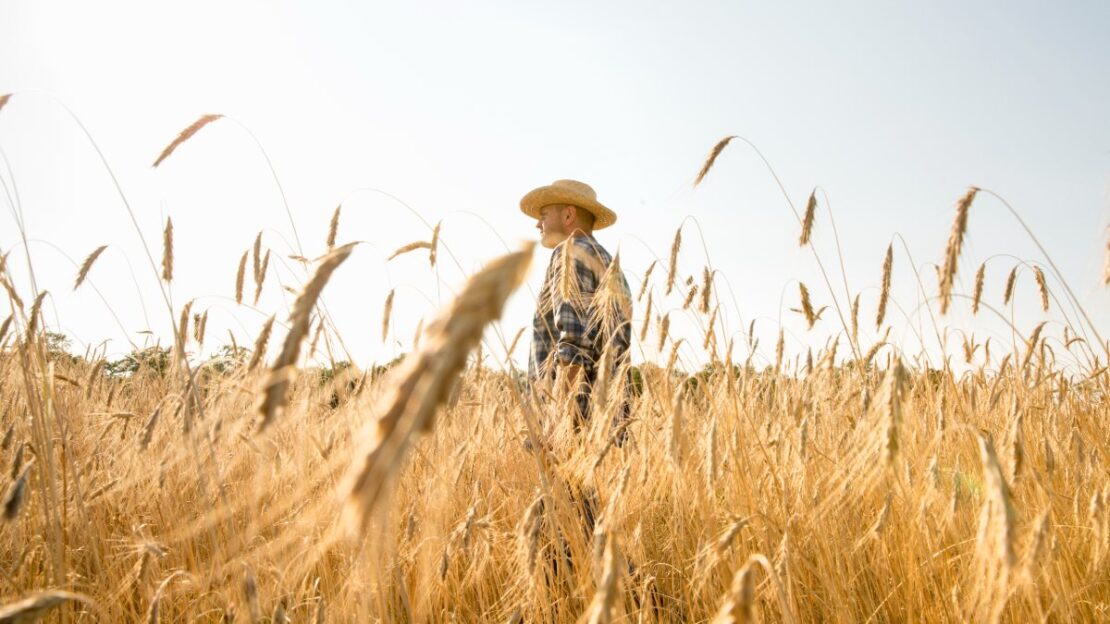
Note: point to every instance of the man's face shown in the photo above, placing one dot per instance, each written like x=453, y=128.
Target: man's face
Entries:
x=553, y=224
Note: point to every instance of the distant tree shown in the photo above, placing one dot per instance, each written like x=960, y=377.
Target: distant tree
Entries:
x=154, y=358
x=228, y=359
x=57, y=348
x=327, y=375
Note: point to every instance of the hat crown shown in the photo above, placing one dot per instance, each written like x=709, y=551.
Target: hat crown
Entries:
x=574, y=186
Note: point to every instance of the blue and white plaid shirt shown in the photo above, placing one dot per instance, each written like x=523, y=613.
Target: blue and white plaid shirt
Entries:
x=574, y=330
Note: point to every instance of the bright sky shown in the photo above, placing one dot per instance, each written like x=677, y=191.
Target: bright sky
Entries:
x=458, y=109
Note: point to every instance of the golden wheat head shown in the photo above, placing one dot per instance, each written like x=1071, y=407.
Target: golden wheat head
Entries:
x=272, y=399
x=422, y=382
x=712, y=158
x=185, y=135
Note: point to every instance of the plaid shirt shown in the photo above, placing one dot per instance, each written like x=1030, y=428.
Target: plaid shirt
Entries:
x=575, y=329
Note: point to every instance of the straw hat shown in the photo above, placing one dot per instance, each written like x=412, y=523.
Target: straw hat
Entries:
x=570, y=192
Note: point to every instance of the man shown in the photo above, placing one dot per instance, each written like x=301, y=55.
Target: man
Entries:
x=583, y=314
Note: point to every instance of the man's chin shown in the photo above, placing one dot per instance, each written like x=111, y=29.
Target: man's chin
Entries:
x=550, y=241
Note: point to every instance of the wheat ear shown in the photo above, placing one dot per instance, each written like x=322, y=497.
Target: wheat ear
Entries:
x=240, y=276
x=980, y=277
x=167, y=251
x=712, y=158
x=272, y=399
x=36, y=606
x=404, y=249
x=333, y=227
x=1011, y=279
x=433, y=251
x=807, y=222
x=260, y=343
x=184, y=136
x=387, y=312
x=87, y=265
x=807, y=305
x=884, y=294
x=1042, y=287
x=423, y=380
x=953, y=248
x=672, y=269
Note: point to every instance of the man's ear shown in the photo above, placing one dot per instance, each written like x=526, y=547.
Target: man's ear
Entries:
x=571, y=215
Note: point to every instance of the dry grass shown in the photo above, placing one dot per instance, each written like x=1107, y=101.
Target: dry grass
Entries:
x=813, y=488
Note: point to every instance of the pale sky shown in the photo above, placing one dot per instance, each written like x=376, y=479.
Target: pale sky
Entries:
x=458, y=109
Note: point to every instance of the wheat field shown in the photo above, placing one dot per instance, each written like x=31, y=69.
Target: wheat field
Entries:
x=850, y=484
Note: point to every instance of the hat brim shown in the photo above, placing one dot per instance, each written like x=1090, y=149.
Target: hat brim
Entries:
x=535, y=200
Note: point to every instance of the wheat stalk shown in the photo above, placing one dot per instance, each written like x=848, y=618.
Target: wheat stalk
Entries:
x=167, y=251
x=647, y=319
x=200, y=326
x=953, y=248
x=1042, y=287
x=36, y=606
x=672, y=270
x=434, y=249
x=33, y=317
x=4, y=327
x=256, y=257
x=404, y=249
x=17, y=462
x=14, y=296
x=421, y=383
x=260, y=279
x=739, y=603
x=1011, y=279
x=184, y=136
x=644, y=283
x=689, y=297
x=664, y=329
x=148, y=429
x=673, y=357
x=240, y=276
x=807, y=222
x=601, y=606
x=980, y=278
x=893, y=390
x=713, y=154
x=706, y=285
x=884, y=294
x=779, y=345
x=1031, y=344
x=568, y=277
x=333, y=227
x=87, y=264
x=855, y=319
x=260, y=343
x=387, y=311
x=16, y=495
x=272, y=399
x=710, y=332
x=807, y=305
